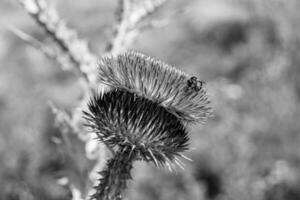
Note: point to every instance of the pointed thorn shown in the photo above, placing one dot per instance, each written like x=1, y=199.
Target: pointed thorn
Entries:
x=153, y=157
x=185, y=157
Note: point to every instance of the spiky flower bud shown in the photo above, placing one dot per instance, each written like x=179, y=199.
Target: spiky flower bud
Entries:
x=140, y=129
x=124, y=119
x=157, y=81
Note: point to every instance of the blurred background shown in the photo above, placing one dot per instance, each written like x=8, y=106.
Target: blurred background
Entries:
x=248, y=52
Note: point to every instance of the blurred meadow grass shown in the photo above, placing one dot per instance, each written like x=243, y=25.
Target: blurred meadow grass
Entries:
x=248, y=53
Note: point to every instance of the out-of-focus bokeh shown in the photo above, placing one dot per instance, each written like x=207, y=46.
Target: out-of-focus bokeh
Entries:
x=248, y=52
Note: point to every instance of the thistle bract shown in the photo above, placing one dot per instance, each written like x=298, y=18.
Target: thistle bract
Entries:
x=157, y=81
x=125, y=120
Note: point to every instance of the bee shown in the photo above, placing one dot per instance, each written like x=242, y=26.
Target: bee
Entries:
x=194, y=84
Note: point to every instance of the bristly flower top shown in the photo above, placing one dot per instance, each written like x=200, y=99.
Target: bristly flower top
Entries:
x=157, y=81
x=125, y=120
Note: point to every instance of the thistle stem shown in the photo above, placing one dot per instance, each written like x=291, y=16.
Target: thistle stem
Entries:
x=114, y=177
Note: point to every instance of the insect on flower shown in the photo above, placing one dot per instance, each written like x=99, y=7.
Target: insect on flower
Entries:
x=194, y=84
x=178, y=92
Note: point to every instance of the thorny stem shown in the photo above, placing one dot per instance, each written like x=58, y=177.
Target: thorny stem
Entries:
x=115, y=176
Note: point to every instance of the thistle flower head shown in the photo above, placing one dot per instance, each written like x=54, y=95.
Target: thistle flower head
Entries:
x=157, y=81
x=125, y=120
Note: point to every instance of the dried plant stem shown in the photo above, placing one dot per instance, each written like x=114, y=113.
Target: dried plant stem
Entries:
x=66, y=38
x=49, y=52
x=119, y=33
x=130, y=13
x=148, y=7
